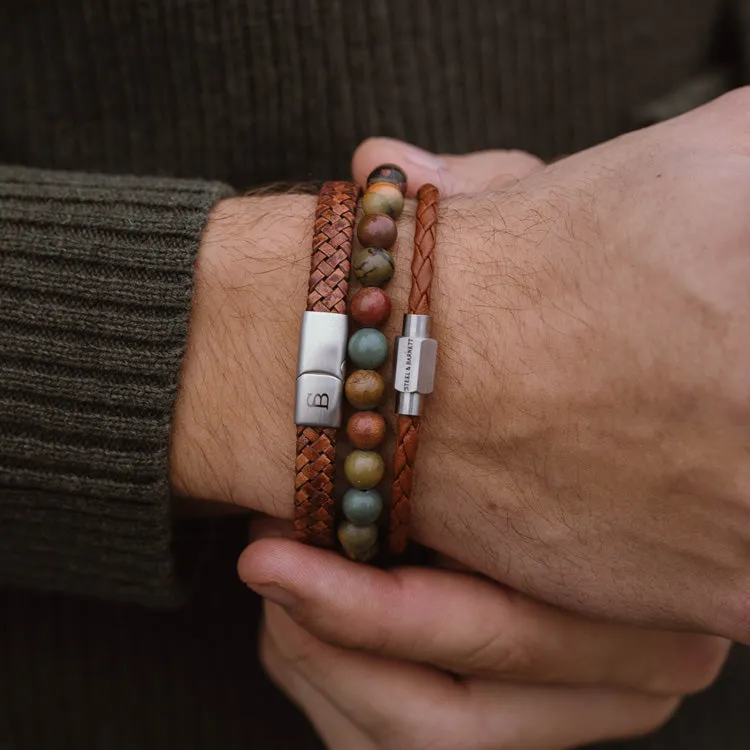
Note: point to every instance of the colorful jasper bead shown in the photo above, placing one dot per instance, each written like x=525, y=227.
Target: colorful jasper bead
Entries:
x=364, y=389
x=383, y=198
x=364, y=469
x=370, y=306
x=365, y=430
x=388, y=173
x=377, y=230
x=360, y=543
x=372, y=266
x=368, y=349
x=362, y=507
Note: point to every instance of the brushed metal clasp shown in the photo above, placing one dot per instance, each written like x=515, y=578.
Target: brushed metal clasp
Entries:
x=415, y=363
x=321, y=366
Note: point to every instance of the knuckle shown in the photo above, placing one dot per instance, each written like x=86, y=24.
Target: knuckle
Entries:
x=373, y=635
x=525, y=159
x=501, y=654
x=299, y=650
x=735, y=619
x=301, y=656
x=405, y=727
x=655, y=719
x=703, y=658
x=727, y=613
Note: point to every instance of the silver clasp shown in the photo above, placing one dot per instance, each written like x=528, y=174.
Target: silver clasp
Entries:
x=415, y=360
x=321, y=366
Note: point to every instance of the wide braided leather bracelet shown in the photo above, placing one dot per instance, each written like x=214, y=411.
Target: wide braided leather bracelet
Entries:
x=414, y=371
x=321, y=364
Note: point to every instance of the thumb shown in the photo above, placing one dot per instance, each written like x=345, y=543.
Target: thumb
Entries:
x=471, y=173
x=467, y=625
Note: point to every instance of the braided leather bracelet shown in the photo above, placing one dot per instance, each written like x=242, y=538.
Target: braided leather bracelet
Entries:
x=321, y=364
x=414, y=371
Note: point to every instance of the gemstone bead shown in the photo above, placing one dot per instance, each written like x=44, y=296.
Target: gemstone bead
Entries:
x=368, y=349
x=362, y=507
x=364, y=469
x=388, y=173
x=360, y=543
x=372, y=266
x=365, y=430
x=383, y=198
x=364, y=389
x=377, y=230
x=370, y=306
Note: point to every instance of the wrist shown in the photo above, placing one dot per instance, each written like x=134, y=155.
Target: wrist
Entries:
x=232, y=440
x=233, y=437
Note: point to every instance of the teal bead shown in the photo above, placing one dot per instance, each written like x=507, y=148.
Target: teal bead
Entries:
x=360, y=543
x=368, y=349
x=362, y=507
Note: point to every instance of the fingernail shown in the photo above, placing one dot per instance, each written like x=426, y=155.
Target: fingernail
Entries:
x=275, y=594
x=418, y=157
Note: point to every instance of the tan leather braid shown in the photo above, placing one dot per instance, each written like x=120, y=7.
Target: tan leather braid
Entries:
x=407, y=437
x=332, y=247
x=313, y=497
x=328, y=289
x=423, y=260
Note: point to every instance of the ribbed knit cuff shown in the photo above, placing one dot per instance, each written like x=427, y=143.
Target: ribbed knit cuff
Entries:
x=96, y=278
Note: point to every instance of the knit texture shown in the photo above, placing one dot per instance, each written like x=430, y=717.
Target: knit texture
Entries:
x=252, y=91
x=95, y=285
x=95, y=277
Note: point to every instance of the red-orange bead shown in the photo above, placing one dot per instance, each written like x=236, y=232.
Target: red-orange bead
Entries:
x=366, y=430
x=370, y=306
x=377, y=230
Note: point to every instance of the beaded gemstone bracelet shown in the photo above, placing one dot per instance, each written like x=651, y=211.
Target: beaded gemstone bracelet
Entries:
x=321, y=364
x=373, y=266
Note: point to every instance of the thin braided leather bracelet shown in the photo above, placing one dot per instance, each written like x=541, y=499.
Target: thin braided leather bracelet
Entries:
x=414, y=372
x=321, y=364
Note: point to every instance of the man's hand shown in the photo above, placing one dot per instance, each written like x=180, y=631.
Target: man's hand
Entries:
x=589, y=436
x=417, y=658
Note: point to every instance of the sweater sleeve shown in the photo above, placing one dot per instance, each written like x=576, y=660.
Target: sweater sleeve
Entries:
x=96, y=278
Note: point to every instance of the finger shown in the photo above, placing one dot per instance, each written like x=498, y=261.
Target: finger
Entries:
x=399, y=703
x=471, y=173
x=335, y=729
x=471, y=626
x=343, y=677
